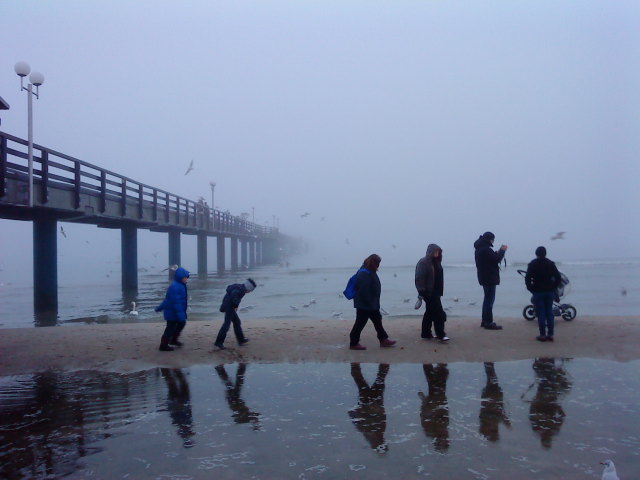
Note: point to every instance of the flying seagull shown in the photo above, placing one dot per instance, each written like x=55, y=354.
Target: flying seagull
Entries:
x=62, y=232
x=190, y=168
x=305, y=214
x=558, y=236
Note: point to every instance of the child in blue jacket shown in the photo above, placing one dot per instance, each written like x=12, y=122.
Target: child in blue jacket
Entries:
x=174, y=307
x=230, y=304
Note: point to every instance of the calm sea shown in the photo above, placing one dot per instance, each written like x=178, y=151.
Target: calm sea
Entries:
x=307, y=294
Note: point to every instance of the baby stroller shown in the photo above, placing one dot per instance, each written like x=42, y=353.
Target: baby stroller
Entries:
x=564, y=310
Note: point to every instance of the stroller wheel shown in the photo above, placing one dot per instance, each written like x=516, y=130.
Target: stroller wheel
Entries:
x=568, y=312
x=529, y=312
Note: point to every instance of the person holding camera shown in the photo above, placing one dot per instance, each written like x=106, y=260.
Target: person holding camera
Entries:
x=488, y=266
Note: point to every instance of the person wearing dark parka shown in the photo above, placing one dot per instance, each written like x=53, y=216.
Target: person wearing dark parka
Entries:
x=542, y=279
x=488, y=267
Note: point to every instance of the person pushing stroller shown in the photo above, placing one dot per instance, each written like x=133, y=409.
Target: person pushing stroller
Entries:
x=542, y=279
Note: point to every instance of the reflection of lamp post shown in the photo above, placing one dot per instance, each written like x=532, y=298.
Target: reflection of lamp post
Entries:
x=37, y=79
x=213, y=189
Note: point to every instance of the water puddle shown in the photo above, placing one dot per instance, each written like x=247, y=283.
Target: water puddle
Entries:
x=544, y=418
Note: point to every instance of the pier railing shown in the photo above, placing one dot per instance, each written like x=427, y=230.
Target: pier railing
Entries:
x=56, y=171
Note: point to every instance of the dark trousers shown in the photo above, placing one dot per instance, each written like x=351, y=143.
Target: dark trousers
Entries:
x=487, y=304
x=543, y=303
x=229, y=318
x=172, y=331
x=433, y=314
x=362, y=316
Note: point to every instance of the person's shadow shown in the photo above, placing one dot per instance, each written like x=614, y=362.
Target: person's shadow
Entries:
x=369, y=417
x=546, y=413
x=492, y=409
x=179, y=404
x=241, y=413
x=434, y=413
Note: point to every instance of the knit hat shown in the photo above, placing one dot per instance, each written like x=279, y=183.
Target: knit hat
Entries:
x=541, y=252
x=250, y=285
x=489, y=236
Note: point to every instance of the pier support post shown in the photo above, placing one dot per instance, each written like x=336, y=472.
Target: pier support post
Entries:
x=220, y=255
x=234, y=254
x=252, y=253
x=259, y=259
x=45, y=265
x=243, y=253
x=174, y=250
x=129, y=258
x=202, y=255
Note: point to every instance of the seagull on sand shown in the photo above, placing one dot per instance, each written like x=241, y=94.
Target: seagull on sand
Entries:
x=190, y=168
x=558, y=236
x=63, y=232
x=623, y=291
x=609, y=472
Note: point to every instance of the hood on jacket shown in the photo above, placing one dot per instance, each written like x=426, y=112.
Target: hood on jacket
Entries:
x=431, y=249
x=180, y=274
x=482, y=241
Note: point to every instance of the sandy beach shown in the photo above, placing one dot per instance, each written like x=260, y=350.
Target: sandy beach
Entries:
x=133, y=347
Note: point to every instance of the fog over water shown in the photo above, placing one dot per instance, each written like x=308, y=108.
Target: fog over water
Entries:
x=393, y=124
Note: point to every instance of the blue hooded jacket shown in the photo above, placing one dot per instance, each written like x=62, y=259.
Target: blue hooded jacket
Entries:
x=175, y=301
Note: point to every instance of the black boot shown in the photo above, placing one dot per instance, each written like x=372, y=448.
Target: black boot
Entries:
x=164, y=345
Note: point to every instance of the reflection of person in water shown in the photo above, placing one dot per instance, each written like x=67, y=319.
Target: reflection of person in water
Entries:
x=545, y=413
x=369, y=416
x=434, y=413
x=492, y=411
x=241, y=413
x=179, y=403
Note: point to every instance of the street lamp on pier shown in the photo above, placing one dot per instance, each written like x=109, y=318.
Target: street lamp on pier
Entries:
x=213, y=189
x=22, y=69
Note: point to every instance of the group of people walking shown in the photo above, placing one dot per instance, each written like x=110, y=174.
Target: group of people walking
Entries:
x=542, y=279
x=175, y=304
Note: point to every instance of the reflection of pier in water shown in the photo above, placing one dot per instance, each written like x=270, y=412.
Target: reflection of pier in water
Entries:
x=50, y=420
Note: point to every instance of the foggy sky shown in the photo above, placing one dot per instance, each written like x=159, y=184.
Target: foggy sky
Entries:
x=400, y=122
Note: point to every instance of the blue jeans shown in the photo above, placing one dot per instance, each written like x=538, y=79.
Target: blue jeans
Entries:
x=230, y=316
x=543, y=303
x=487, y=304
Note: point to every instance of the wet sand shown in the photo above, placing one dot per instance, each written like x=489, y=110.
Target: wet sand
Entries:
x=133, y=347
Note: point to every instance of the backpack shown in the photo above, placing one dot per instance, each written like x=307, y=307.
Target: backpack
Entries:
x=350, y=292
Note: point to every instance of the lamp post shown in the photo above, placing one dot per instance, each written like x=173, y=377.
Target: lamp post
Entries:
x=213, y=189
x=22, y=69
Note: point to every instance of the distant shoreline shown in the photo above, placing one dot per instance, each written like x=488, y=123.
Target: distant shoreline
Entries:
x=133, y=347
